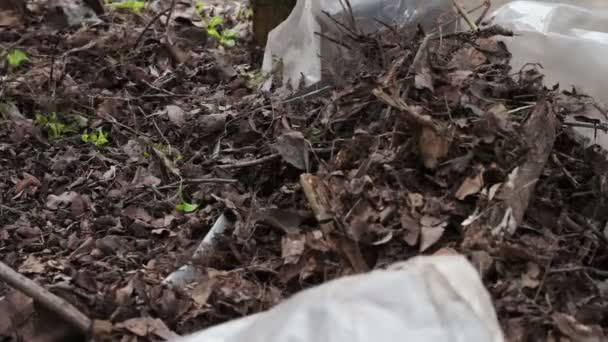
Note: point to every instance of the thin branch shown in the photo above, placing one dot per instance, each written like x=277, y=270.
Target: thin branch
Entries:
x=56, y=304
x=251, y=162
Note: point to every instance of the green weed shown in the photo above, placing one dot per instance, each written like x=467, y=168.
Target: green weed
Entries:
x=132, y=5
x=224, y=37
x=15, y=58
x=98, y=138
x=54, y=127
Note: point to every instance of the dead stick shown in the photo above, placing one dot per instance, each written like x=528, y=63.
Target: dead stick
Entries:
x=251, y=162
x=45, y=297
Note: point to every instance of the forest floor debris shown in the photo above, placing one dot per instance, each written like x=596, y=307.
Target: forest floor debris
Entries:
x=451, y=151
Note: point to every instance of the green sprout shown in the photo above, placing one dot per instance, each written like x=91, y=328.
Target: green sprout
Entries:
x=185, y=206
x=200, y=6
x=131, y=5
x=54, y=128
x=15, y=58
x=224, y=37
x=99, y=138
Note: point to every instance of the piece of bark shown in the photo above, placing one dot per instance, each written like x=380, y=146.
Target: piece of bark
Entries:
x=501, y=216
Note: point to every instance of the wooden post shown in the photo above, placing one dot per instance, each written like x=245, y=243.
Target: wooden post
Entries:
x=268, y=14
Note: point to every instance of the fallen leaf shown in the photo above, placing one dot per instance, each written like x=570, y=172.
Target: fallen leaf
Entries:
x=9, y=18
x=292, y=248
x=471, y=185
x=429, y=236
x=137, y=213
x=576, y=331
x=415, y=200
x=433, y=147
x=31, y=265
x=176, y=115
x=293, y=148
x=530, y=278
x=411, y=228
x=287, y=220
x=101, y=327
x=53, y=202
x=77, y=206
x=202, y=291
x=27, y=182
x=424, y=79
x=15, y=308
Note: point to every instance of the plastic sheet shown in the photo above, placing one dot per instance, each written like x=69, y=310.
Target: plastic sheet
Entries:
x=428, y=298
x=570, y=40
x=304, y=54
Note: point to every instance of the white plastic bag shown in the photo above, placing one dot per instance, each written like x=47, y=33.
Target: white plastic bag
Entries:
x=302, y=51
x=569, y=39
x=428, y=298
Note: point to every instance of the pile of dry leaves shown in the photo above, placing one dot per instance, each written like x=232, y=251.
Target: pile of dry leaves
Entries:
x=432, y=145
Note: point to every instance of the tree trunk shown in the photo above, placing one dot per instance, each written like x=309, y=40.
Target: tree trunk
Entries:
x=268, y=14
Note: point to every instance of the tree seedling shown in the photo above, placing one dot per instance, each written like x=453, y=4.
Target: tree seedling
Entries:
x=54, y=127
x=15, y=58
x=184, y=206
x=98, y=138
x=224, y=37
x=132, y=5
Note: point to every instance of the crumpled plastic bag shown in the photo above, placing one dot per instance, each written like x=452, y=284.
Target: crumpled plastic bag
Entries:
x=304, y=54
x=569, y=38
x=427, y=298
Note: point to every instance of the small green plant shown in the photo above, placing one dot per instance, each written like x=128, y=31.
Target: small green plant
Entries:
x=224, y=37
x=98, y=138
x=15, y=58
x=200, y=7
x=131, y=5
x=53, y=126
x=185, y=206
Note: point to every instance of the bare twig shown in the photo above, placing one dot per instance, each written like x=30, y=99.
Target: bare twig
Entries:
x=12, y=210
x=251, y=162
x=466, y=17
x=56, y=304
x=156, y=17
x=198, y=181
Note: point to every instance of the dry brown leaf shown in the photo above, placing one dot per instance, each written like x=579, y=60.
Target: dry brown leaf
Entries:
x=530, y=278
x=471, y=185
x=102, y=327
x=578, y=332
x=411, y=228
x=433, y=147
x=292, y=248
x=415, y=200
x=77, y=206
x=202, y=291
x=424, y=79
x=176, y=115
x=137, y=213
x=28, y=181
x=53, y=202
x=15, y=308
x=293, y=148
x=31, y=265
x=287, y=220
x=429, y=236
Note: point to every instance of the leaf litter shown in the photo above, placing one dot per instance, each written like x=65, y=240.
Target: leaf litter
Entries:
x=453, y=153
